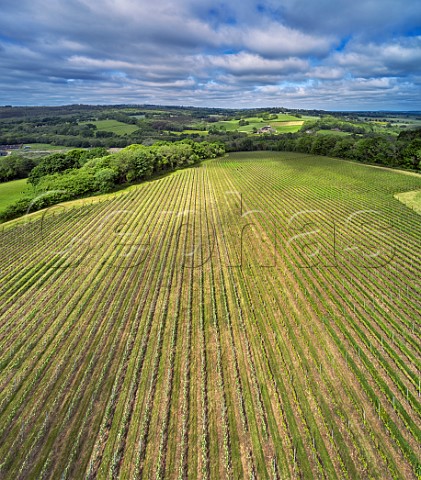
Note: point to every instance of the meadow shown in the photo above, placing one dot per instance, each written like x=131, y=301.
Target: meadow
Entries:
x=45, y=147
x=283, y=123
x=256, y=316
x=190, y=132
x=113, y=126
x=10, y=192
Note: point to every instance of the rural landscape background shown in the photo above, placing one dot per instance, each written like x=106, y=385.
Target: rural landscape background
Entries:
x=210, y=240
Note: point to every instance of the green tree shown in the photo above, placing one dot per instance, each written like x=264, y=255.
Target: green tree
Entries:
x=411, y=154
x=105, y=179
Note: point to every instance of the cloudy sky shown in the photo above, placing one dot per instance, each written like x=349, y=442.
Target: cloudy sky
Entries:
x=330, y=54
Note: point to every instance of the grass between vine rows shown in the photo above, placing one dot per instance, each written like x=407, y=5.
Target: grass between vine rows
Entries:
x=257, y=316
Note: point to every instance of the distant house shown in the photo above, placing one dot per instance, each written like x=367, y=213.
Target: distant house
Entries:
x=267, y=129
x=11, y=147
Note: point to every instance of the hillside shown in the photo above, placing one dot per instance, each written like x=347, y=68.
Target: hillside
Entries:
x=253, y=316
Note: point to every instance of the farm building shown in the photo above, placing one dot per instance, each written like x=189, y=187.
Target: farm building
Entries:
x=267, y=129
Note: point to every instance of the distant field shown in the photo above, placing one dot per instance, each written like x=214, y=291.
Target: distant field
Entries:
x=114, y=126
x=288, y=128
x=278, y=127
x=333, y=132
x=287, y=124
x=282, y=124
x=190, y=132
x=200, y=132
x=45, y=146
x=249, y=128
x=10, y=192
x=287, y=118
x=280, y=118
x=254, y=317
x=396, y=122
x=229, y=125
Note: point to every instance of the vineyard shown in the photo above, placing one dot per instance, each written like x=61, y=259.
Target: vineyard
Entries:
x=256, y=316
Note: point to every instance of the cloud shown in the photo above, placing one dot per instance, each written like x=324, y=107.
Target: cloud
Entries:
x=251, y=64
x=398, y=58
x=311, y=54
x=360, y=18
x=280, y=41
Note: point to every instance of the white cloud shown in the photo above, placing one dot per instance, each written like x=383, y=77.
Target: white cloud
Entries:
x=397, y=58
x=277, y=40
x=249, y=63
x=211, y=51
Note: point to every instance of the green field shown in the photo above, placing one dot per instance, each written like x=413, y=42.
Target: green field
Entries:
x=333, y=132
x=281, y=117
x=287, y=128
x=10, y=192
x=228, y=125
x=44, y=147
x=281, y=124
x=114, y=126
x=256, y=316
x=190, y=132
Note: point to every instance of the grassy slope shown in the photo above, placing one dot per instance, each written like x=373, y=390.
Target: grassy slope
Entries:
x=114, y=126
x=190, y=132
x=10, y=192
x=45, y=147
x=282, y=124
x=411, y=199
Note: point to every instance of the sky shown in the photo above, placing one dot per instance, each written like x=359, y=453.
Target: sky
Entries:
x=324, y=54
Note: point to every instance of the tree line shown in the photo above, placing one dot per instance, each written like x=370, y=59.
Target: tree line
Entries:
x=403, y=151
x=15, y=167
x=78, y=173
